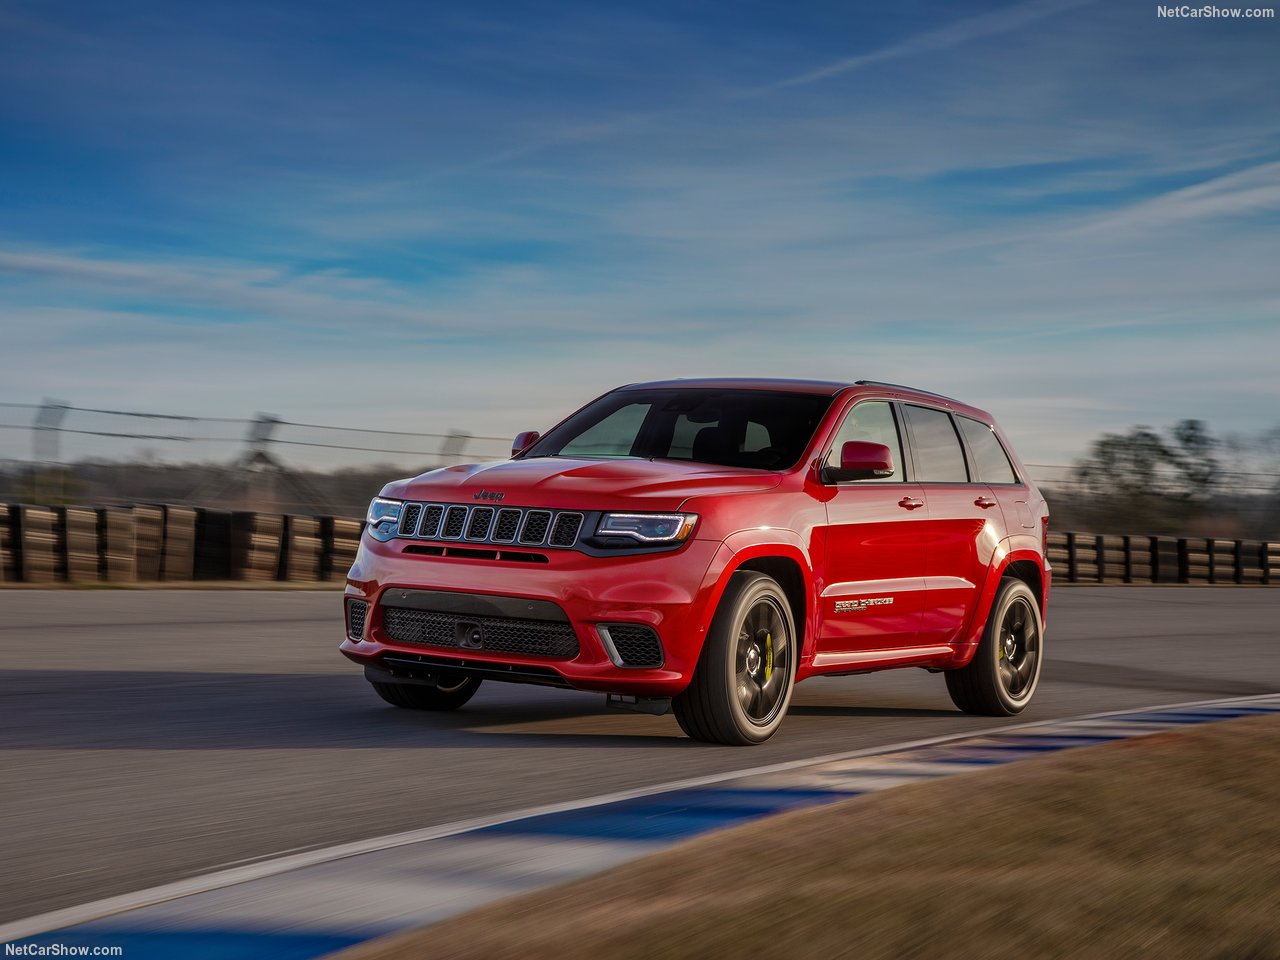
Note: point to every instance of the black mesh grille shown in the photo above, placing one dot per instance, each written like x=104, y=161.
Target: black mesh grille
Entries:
x=536, y=638
x=454, y=520
x=409, y=519
x=357, y=610
x=431, y=522
x=636, y=644
x=508, y=525
x=481, y=518
x=565, y=532
x=535, y=526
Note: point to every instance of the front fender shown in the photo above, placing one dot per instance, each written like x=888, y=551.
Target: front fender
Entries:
x=746, y=545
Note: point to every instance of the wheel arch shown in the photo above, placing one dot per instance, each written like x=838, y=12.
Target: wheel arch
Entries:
x=788, y=564
x=1025, y=565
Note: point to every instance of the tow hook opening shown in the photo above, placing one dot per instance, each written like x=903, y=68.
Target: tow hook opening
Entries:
x=654, y=706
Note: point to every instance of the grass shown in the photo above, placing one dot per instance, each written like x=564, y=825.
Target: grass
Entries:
x=1162, y=847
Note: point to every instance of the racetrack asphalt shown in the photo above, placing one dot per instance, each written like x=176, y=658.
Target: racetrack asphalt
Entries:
x=150, y=736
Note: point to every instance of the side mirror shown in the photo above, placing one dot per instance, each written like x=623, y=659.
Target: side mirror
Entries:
x=524, y=441
x=860, y=460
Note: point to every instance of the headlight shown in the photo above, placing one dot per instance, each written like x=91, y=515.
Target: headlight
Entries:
x=648, y=527
x=382, y=518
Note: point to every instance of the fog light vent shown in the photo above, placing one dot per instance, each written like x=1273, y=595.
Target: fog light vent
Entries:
x=631, y=645
x=357, y=611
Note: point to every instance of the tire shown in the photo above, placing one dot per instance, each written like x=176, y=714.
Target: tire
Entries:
x=1002, y=676
x=453, y=691
x=742, y=685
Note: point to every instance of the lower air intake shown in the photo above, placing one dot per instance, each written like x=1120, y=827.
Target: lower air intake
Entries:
x=534, y=638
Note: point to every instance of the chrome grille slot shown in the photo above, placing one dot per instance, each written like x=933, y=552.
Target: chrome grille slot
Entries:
x=455, y=521
x=535, y=526
x=431, y=518
x=508, y=525
x=565, y=531
x=409, y=517
x=481, y=520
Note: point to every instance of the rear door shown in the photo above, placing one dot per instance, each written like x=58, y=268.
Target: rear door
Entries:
x=873, y=588
x=964, y=524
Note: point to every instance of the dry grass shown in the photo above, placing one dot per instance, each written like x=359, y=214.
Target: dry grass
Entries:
x=1165, y=847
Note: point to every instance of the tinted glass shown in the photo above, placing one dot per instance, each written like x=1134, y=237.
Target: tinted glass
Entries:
x=872, y=422
x=938, y=454
x=989, y=459
x=758, y=429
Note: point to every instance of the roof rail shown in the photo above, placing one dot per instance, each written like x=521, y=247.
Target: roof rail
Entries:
x=903, y=386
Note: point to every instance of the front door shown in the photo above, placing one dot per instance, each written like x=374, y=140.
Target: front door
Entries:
x=873, y=590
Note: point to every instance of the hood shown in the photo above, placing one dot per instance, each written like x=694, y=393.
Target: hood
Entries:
x=562, y=482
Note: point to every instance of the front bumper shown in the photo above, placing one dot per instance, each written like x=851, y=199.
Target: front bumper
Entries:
x=672, y=592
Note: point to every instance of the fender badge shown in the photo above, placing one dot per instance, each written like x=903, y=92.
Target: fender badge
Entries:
x=852, y=606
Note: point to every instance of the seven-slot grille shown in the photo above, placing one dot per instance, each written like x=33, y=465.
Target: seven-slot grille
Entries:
x=483, y=524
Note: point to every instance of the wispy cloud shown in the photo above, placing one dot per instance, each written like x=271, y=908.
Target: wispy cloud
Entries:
x=1007, y=20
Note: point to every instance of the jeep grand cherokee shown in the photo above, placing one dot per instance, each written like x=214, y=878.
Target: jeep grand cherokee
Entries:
x=703, y=545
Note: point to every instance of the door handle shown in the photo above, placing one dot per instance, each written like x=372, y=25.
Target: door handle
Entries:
x=910, y=503
x=984, y=502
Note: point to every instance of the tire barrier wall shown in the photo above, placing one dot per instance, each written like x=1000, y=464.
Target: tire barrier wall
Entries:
x=150, y=542
x=173, y=544
x=1090, y=558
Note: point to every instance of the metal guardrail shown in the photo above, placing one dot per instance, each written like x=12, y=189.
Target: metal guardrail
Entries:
x=161, y=542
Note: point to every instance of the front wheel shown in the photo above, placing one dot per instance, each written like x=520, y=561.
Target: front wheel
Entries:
x=742, y=685
x=1003, y=674
x=453, y=690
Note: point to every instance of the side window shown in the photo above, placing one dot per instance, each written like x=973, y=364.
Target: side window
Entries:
x=938, y=454
x=871, y=421
x=991, y=461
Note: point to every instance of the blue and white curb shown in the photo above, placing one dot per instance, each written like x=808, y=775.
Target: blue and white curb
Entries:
x=309, y=904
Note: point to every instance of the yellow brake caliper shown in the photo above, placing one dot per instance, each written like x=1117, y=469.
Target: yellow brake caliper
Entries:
x=768, y=656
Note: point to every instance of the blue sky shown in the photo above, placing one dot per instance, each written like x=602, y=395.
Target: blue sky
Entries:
x=429, y=216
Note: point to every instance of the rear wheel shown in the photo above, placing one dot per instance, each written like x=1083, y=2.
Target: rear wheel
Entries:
x=742, y=685
x=453, y=690
x=1003, y=674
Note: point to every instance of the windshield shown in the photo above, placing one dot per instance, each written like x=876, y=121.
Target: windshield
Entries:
x=759, y=429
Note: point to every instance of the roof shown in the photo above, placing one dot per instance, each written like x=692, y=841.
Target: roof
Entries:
x=819, y=387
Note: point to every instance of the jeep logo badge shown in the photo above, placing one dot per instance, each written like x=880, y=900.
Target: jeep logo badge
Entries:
x=488, y=495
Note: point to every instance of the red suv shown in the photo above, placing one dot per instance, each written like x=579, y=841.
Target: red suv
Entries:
x=703, y=545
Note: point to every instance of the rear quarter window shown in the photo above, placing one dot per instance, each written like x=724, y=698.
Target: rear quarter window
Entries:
x=992, y=463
